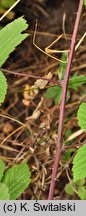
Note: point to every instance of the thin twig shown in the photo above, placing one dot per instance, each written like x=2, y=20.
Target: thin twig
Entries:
x=31, y=76
x=63, y=100
x=11, y=8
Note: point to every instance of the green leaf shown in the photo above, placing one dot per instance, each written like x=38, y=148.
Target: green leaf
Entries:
x=55, y=92
x=7, y=3
x=69, y=188
x=52, y=92
x=81, y=116
x=3, y=87
x=1, y=8
x=17, y=179
x=58, y=95
x=4, y=192
x=79, y=164
x=80, y=182
x=67, y=155
x=62, y=67
x=77, y=81
x=82, y=193
x=2, y=168
x=11, y=37
x=85, y=2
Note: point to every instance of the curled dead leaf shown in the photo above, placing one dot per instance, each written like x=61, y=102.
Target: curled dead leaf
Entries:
x=42, y=83
x=37, y=111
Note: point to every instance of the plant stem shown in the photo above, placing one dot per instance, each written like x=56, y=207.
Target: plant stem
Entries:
x=30, y=75
x=62, y=106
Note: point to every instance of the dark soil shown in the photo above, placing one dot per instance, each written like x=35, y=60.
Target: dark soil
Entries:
x=37, y=143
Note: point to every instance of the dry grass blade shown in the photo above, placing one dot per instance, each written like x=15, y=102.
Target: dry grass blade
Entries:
x=12, y=119
x=15, y=131
x=9, y=148
x=5, y=14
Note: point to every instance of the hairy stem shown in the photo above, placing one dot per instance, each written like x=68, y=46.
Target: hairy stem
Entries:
x=62, y=106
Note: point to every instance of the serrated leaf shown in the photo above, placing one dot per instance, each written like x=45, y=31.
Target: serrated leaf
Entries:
x=17, y=179
x=77, y=81
x=81, y=116
x=79, y=164
x=82, y=193
x=10, y=37
x=4, y=192
x=3, y=87
x=2, y=168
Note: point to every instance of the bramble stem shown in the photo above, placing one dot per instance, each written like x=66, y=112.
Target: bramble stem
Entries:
x=62, y=106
